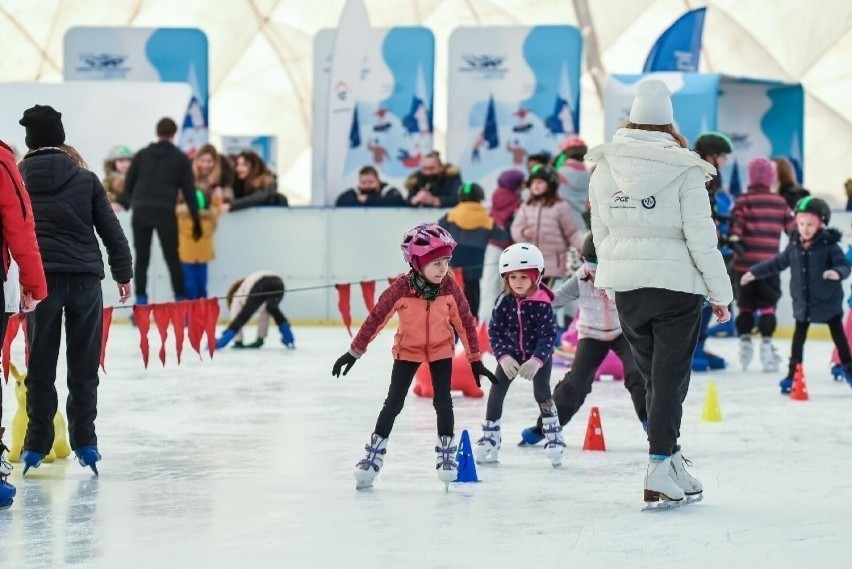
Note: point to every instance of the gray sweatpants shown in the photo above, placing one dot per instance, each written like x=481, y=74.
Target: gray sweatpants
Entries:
x=662, y=329
x=541, y=392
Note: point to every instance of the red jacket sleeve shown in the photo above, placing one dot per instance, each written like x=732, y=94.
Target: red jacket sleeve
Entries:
x=379, y=316
x=16, y=218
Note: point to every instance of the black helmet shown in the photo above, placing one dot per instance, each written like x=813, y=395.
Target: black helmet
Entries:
x=471, y=192
x=587, y=251
x=711, y=143
x=545, y=173
x=815, y=206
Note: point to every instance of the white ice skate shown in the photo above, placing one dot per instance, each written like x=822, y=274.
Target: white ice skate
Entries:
x=554, y=445
x=661, y=491
x=769, y=358
x=488, y=445
x=5, y=466
x=746, y=351
x=445, y=460
x=690, y=485
x=368, y=467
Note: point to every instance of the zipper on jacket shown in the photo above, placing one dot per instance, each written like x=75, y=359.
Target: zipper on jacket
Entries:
x=427, y=331
x=520, y=331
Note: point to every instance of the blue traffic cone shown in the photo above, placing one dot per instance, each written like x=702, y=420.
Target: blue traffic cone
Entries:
x=464, y=458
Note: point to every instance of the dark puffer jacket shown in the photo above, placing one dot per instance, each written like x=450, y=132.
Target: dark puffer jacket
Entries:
x=523, y=328
x=815, y=299
x=69, y=205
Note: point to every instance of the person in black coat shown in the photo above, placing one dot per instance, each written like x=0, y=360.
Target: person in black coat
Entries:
x=69, y=206
x=817, y=267
x=435, y=184
x=371, y=192
x=151, y=186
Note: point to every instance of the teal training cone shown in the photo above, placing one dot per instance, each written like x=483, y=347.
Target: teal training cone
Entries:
x=464, y=458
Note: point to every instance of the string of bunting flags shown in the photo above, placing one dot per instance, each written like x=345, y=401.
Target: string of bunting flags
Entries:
x=189, y=320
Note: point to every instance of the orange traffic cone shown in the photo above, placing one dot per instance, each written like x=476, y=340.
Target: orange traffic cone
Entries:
x=482, y=336
x=800, y=388
x=594, y=432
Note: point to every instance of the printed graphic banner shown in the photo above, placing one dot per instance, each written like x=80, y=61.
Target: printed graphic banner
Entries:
x=515, y=91
x=761, y=117
x=391, y=128
x=146, y=54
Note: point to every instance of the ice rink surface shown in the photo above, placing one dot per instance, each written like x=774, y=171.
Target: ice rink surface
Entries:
x=246, y=462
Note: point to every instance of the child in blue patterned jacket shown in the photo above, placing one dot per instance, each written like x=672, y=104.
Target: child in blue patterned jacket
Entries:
x=522, y=331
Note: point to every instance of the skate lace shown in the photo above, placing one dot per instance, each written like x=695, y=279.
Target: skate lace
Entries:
x=485, y=438
x=370, y=460
x=446, y=460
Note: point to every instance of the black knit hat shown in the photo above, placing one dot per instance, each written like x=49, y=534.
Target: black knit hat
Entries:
x=471, y=192
x=44, y=127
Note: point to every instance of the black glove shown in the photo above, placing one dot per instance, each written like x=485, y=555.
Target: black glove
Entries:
x=479, y=369
x=196, y=229
x=344, y=363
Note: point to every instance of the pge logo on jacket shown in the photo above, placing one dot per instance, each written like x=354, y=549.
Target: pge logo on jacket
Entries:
x=620, y=201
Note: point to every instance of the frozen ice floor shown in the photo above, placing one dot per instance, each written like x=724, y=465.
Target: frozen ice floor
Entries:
x=246, y=462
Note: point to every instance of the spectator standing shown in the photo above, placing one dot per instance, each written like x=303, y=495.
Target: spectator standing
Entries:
x=254, y=184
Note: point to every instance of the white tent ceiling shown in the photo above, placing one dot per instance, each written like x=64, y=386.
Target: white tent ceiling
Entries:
x=261, y=56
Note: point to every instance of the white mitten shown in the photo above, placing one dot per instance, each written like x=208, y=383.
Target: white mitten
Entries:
x=510, y=366
x=529, y=368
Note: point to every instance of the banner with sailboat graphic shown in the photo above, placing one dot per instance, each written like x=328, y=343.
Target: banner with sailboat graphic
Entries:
x=762, y=117
x=168, y=55
x=515, y=91
x=391, y=128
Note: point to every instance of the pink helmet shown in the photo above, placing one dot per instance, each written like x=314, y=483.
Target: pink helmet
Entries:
x=424, y=239
x=572, y=141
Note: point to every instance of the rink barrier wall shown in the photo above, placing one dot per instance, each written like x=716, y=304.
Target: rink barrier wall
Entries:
x=318, y=247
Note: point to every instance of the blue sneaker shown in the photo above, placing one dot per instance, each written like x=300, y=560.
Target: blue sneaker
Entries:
x=88, y=456
x=786, y=385
x=714, y=361
x=287, y=335
x=7, y=492
x=31, y=459
x=700, y=363
x=531, y=436
x=225, y=338
x=837, y=373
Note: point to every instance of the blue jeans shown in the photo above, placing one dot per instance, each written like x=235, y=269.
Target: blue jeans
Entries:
x=195, y=280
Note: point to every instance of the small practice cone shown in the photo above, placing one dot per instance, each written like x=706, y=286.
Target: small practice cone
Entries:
x=594, y=432
x=800, y=387
x=464, y=458
x=711, y=411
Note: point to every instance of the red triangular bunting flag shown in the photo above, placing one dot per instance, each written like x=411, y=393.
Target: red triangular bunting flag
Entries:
x=344, y=305
x=459, y=275
x=142, y=319
x=177, y=316
x=212, y=314
x=197, y=323
x=107, y=320
x=368, y=291
x=161, y=320
x=12, y=327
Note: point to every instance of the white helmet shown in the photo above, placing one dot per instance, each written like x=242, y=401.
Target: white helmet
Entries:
x=521, y=256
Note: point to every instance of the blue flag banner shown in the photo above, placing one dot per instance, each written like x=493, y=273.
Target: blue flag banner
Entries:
x=679, y=47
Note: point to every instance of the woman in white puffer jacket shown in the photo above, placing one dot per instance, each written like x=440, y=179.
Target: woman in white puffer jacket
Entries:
x=657, y=255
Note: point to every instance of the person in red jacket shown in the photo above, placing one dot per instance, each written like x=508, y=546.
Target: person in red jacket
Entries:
x=18, y=242
x=432, y=309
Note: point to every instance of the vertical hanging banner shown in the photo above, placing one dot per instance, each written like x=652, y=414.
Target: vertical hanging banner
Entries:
x=515, y=92
x=391, y=127
x=347, y=61
x=169, y=55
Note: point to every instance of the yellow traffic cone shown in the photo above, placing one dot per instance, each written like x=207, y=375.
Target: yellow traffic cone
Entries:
x=711, y=411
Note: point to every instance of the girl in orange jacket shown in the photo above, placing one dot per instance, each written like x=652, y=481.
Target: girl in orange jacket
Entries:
x=432, y=309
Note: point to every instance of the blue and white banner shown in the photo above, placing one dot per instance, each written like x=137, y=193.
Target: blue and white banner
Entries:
x=391, y=128
x=146, y=54
x=515, y=91
x=679, y=47
x=265, y=146
x=761, y=117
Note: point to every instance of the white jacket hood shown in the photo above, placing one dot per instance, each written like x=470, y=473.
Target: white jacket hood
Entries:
x=642, y=162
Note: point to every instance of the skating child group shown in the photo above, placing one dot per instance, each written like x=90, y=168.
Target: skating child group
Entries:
x=725, y=244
